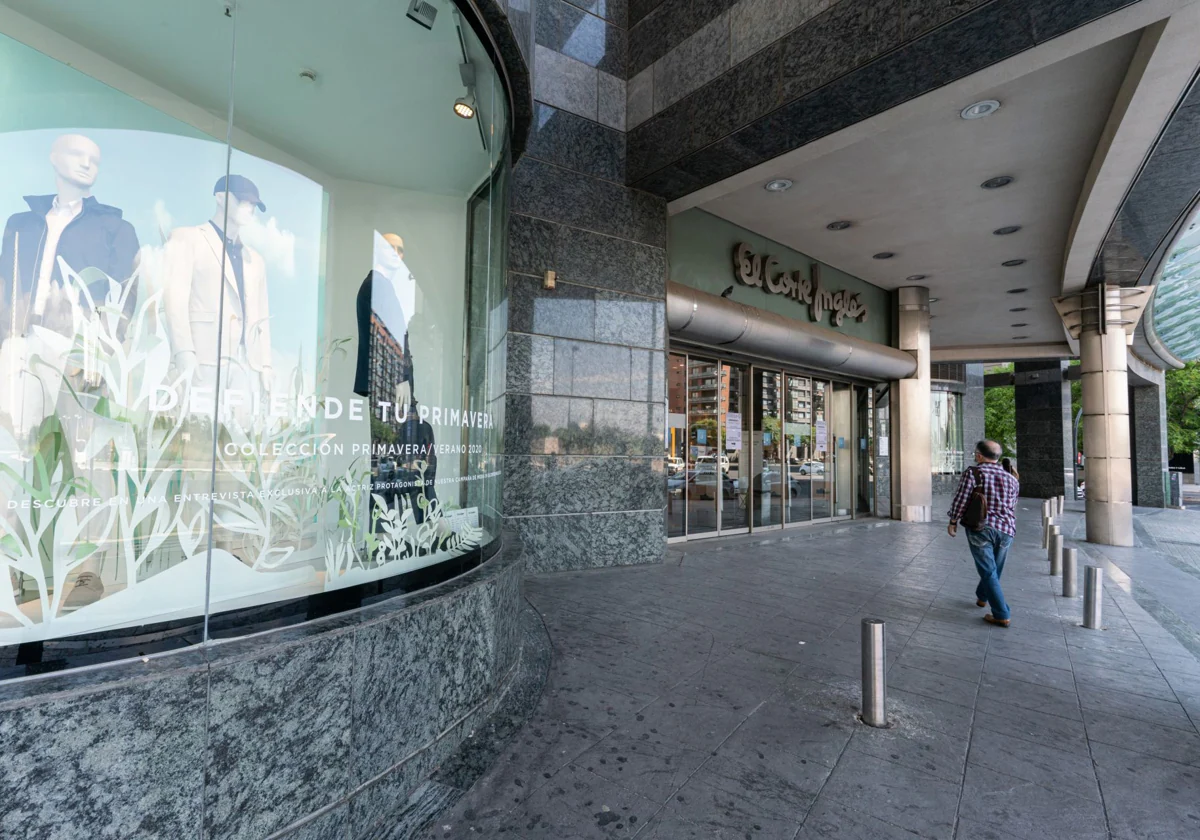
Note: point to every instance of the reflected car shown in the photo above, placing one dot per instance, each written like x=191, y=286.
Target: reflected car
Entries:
x=812, y=468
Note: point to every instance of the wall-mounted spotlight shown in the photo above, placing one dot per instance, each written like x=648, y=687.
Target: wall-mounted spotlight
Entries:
x=464, y=106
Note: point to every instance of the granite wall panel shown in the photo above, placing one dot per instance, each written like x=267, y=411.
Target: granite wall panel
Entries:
x=123, y=761
x=584, y=541
x=278, y=735
x=1148, y=438
x=698, y=60
x=974, y=413
x=564, y=484
x=615, y=12
x=568, y=29
x=667, y=26
x=556, y=425
x=571, y=141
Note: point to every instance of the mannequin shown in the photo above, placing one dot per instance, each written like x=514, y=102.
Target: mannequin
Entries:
x=193, y=274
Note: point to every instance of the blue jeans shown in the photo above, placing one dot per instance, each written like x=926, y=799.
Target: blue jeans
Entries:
x=990, y=547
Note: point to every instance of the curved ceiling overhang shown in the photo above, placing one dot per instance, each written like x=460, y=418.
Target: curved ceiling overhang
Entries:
x=713, y=321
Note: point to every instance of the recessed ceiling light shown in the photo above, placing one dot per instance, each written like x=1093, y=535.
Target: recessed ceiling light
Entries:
x=997, y=182
x=913, y=278
x=1006, y=230
x=778, y=185
x=1018, y=309
x=1018, y=326
x=883, y=255
x=980, y=109
x=1012, y=263
x=839, y=225
x=934, y=300
x=1017, y=291
x=1020, y=337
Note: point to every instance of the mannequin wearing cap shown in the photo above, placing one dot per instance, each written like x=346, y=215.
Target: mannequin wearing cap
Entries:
x=193, y=272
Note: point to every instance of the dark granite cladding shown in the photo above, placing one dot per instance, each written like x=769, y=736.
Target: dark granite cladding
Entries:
x=117, y=763
x=551, y=484
x=844, y=37
x=556, y=194
x=595, y=540
x=586, y=258
x=567, y=29
x=920, y=16
x=511, y=29
x=1052, y=18
x=974, y=413
x=668, y=26
x=1044, y=429
x=577, y=143
x=545, y=425
x=1148, y=436
x=736, y=98
x=566, y=311
x=638, y=9
x=333, y=825
x=614, y=11
x=506, y=608
x=416, y=673
x=278, y=736
x=584, y=369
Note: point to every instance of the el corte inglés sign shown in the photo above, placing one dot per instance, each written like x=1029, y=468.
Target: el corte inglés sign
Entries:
x=758, y=270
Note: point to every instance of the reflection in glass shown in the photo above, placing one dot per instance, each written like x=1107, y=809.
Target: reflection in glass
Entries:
x=798, y=442
x=770, y=487
x=946, y=433
x=677, y=445
x=865, y=443
x=842, y=445
x=703, y=479
x=734, y=471
x=822, y=461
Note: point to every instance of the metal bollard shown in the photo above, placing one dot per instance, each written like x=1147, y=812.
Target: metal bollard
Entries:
x=1056, y=554
x=874, y=673
x=1054, y=531
x=1046, y=526
x=1093, y=596
x=1069, y=571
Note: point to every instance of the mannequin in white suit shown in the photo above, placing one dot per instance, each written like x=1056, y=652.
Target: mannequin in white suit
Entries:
x=192, y=274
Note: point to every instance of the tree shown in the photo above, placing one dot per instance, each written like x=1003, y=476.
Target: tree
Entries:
x=1183, y=408
x=1000, y=413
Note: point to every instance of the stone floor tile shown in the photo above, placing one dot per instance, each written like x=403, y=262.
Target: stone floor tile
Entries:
x=948, y=665
x=998, y=665
x=1017, y=808
x=931, y=713
x=677, y=718
x=893, y=793
x=1161, y=712
x=1139, y=736
x=576, y=804
x=1030, y=725
x=1069, y=772
x=1148, y=797
x=936, y=686
x=831, y=819
x=925, y=750
x=794, y=733
x=726, y=796
x=1030, y=696
x=653, y=768
x=1155, y=686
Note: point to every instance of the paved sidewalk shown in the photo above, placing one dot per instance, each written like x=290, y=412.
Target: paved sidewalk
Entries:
x=714, y=697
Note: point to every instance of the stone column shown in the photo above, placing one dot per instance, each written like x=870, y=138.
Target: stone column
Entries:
x=912, y=464
x=1148, y=424
x=1106, y=436
x=1045, y=436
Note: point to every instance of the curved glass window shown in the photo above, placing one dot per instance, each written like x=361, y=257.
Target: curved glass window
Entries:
x=1178, y=294
x=252, y=309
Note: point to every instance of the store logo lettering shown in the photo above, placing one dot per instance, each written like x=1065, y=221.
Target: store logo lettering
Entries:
x=756, y=270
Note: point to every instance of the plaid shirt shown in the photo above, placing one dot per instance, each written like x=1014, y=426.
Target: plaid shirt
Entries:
x=1001, y=490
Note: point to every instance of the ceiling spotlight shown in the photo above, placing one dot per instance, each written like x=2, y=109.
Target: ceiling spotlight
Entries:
x=307, y=75
x=980, y=109
x=997, y=182
x=934, y=300
x=883, y=255
x=913, y=278
x=778, y=185
x=1006, y=230
x=1012, y=263
x=464, y=106
x=838, y=225
x=1017, y=291
x=1018, y=326
x=1018, y=309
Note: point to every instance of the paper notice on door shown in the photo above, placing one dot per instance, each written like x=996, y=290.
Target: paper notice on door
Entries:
x=733, y=431
x=822, y=436
x=883, y=447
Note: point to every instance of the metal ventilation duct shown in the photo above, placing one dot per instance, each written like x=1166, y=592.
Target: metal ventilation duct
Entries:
x=713, y=321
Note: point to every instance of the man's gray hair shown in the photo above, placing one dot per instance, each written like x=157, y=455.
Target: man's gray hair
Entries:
x=989, y=449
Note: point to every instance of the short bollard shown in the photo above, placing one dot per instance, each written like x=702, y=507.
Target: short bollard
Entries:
x=1093, y=596
x=1069, y=571
x=1062, y=505
x=1056, y=554
x=1054, y=530
x=874, y=673
x=1046, y=526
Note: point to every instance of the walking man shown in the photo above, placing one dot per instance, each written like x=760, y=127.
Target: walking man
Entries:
x=990, y=543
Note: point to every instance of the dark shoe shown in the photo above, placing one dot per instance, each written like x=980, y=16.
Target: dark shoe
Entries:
x=999, y=622
x=981, y=603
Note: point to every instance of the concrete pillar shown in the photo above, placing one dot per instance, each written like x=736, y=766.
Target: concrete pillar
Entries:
x=1106, y=436
x=912, y=459
x=974, y=412
x=1044, y=429
x=1148, y=428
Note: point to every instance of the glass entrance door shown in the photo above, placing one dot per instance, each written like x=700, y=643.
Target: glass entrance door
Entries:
x=798, y=448
x=734, y=468
x=701, y=483
x=768, y=486
x=677, y=446
x=842, y=447
x=821, y=466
